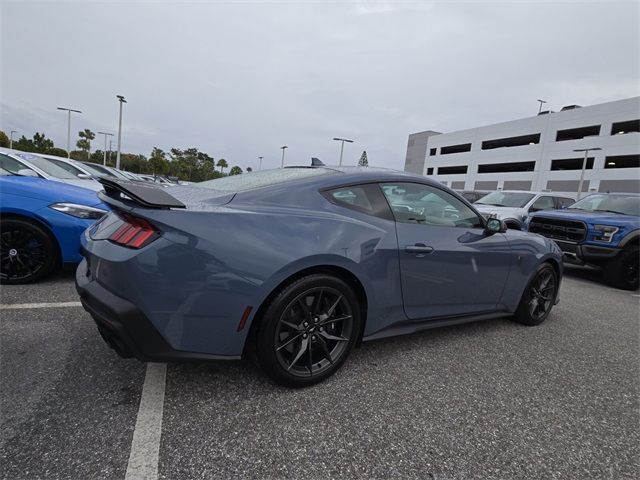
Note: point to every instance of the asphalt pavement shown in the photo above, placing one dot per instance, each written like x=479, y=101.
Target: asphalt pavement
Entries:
x=492, y=399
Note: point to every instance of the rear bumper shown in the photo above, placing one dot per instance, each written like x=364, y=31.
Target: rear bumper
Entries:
x=125, y=328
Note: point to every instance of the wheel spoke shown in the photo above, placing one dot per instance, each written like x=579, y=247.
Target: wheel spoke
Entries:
x=305, y=308
x=303, y=347
x=316, y=302
x=328, y=336
x=333, y=307
x=288, y=342
x=336, y=319
x=291, y=325
x=325, y=349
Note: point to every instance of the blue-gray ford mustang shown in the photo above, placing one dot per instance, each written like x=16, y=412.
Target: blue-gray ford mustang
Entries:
x=295, y=266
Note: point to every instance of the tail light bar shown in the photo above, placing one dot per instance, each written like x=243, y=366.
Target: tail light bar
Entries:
x=135, y=232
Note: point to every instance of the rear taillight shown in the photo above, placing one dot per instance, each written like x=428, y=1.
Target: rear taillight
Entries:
x=134, y=232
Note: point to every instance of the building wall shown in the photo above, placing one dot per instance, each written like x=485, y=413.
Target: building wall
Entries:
x=416, y=151
x=542, y=153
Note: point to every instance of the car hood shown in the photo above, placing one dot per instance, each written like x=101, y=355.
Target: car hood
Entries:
x=590, y=217
x=49, y=191
x=501, y=212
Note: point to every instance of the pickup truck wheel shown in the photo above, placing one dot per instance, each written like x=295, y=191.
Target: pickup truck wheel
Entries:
x=623, y=271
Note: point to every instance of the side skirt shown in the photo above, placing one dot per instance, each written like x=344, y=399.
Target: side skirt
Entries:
x=427, y=324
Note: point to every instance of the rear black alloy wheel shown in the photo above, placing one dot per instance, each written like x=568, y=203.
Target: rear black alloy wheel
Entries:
x=308, y=330
x=624, y=270
x=27, y=252
x=539, y=297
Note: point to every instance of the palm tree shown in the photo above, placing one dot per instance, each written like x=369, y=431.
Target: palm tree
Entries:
x=222, y=163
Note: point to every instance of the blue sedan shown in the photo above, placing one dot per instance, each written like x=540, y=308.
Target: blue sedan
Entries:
x=295, y=266
x=41, y=222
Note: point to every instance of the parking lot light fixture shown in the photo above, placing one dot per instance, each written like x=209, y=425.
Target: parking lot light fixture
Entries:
x=542, y=102
x=69, y=110
x=11, y=138
x=342, y=146
x=104, y=157
x=584, y=166
x=121, y=100
x=284, y=147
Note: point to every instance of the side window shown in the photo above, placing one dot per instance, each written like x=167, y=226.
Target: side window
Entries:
x=352, y=196
x=542, y=203
x=427, y=205
x=362, y=198
x=562, y=202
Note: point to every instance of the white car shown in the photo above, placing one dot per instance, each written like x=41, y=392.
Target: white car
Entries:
x=513, y=206
x=22, y=163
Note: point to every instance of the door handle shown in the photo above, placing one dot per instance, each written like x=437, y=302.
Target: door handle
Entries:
x=418, y=248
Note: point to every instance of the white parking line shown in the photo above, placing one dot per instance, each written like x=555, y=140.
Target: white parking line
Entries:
x=17, y=306
x=145, y=446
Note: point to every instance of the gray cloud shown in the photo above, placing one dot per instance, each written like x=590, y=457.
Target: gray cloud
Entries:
x=240, y=79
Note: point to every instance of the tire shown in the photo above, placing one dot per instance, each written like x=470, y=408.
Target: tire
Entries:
x=297, y=343
x=539, y=296
x=27, y=252
x=622, y=271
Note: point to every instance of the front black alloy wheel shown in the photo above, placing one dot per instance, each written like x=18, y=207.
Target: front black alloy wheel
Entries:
x=27, y=252
x=539, y=297
x=308, y=330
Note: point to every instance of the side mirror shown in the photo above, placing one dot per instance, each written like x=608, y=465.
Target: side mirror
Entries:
x=27, y=172
x=495, y=225
x=84, y=175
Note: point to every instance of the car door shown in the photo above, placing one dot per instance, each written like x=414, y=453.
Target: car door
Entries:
x=449, y=265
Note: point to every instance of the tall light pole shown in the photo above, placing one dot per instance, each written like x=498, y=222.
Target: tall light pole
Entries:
x=284, y=147
x=121, y=100
x=104, y=158
x=11, y=138
x=69, y=110
x=584, y=165
x=541, y=103
x=110, y=148
x=260, y=167
x=342, y=146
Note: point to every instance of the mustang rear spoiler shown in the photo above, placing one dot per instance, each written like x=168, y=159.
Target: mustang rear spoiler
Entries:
x=146, y=195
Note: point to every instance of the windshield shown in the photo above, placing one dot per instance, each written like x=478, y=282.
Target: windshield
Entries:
x=506, y=199
x=93, y=171
x=247, y=181
x=46, y=166
x=67, y=166
x=4, y=173
x=624, y=204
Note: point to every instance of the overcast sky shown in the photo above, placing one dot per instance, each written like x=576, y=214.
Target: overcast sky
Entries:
x=240, y=79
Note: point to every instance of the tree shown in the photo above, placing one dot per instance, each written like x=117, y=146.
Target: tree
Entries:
x=235, y=170
x=158, y=162
x=58, y=152
x=4, y=140
x=249, y=169
x=363, y=162
x=39, y=144
x=222, y=163
x=84, y=143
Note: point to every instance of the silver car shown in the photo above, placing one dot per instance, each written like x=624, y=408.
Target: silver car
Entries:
x=22, y=163
x=513, y=206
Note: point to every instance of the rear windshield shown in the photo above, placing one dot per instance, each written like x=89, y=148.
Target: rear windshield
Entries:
x=248, y=181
